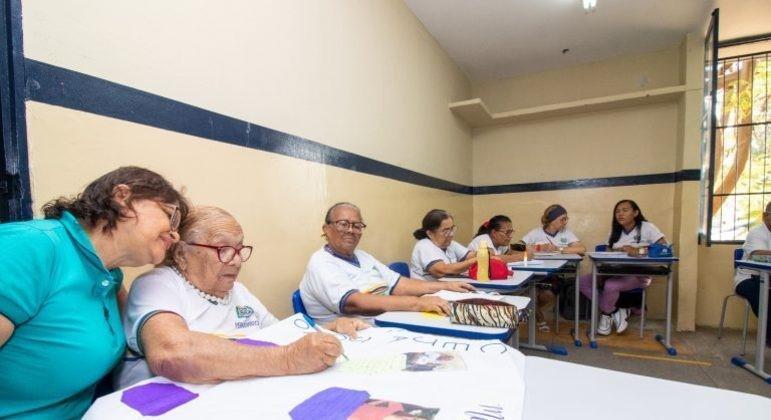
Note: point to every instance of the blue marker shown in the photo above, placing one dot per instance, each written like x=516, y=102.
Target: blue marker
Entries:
x=313, y=325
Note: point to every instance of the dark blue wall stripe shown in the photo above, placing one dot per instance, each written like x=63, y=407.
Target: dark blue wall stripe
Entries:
x=58, y=86
x=617, y=181
x=70, y=89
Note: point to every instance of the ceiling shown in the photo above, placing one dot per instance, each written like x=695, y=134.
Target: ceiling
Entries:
x=495, y=39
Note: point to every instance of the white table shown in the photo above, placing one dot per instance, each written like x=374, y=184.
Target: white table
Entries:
x=543, y=268
x=589, y=393
x=516, y=282
x=574, y=258
x=579, y=393
x=631, y=266
x=760, y=345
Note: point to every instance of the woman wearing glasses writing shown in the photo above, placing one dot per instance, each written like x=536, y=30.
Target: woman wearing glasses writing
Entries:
x=497, y=233
x=436, y=254
x=180, y=316
x=60, y=286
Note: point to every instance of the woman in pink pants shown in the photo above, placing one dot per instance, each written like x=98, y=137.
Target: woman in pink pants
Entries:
x=629, y=231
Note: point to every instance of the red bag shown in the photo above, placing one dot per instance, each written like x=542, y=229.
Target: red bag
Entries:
x=498, y=270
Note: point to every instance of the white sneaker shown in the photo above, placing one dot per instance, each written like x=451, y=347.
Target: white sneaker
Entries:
x=619, y=319
x=604, y=327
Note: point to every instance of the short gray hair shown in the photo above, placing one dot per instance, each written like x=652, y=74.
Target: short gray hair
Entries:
x=198, y=226
x=328, y=217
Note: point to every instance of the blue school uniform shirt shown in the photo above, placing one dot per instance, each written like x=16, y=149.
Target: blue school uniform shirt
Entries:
x=62, y=302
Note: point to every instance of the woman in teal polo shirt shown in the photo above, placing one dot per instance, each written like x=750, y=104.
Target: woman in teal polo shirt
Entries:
x=60, y=329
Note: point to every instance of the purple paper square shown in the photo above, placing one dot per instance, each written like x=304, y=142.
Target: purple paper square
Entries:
x=256, y=343
x=154, y=399
x=330, y=404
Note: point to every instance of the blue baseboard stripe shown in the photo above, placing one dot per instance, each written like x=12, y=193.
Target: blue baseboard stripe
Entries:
x=58, y=86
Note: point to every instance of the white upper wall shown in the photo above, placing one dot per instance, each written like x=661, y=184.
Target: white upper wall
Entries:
x=624, y=74
x=365, y=77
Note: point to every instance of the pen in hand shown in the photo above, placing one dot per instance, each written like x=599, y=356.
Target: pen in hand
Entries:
x=313, y=325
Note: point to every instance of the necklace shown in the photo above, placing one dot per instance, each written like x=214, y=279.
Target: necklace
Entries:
x=210, y=298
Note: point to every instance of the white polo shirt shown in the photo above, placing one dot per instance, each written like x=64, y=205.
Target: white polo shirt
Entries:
x=539, y=236
x=646, y=233
x=498, y=250
x=426, y=253
x=163, y=290
x=758, y=238
x=329, y=281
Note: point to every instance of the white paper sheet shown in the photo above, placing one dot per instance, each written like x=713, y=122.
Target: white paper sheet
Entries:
x=492, y=381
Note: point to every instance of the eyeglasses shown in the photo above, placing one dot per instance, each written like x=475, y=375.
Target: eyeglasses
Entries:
x=448, y=231
x=227, y=253
x=344, y=225
x=506, y=232
x=175, y=215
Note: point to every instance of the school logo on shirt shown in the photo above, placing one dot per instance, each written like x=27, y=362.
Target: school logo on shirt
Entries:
x=563, y=240
x=244, y=311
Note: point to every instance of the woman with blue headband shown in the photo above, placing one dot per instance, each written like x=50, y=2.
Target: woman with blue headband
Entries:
x=552, y=236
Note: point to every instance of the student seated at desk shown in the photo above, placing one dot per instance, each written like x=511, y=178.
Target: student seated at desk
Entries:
x=341, y=279
x=552, y=236
x=629, y=230
x=181, y=315
x=436, y=254
x=757, y=246
x=497, y=233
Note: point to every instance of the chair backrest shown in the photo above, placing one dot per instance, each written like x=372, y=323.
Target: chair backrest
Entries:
x=600, y=248
x=297, y=303
x=738, y=255
x=400, y=267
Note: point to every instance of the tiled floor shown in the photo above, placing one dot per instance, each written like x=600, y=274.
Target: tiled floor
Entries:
x=702, y=358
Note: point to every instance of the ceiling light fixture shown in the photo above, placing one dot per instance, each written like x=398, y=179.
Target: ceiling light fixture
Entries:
x=590, y=5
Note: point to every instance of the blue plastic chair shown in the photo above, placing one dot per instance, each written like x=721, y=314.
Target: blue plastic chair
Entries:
x=297, y=303
x=738, y=255
x=638, y=291
x=400, y=267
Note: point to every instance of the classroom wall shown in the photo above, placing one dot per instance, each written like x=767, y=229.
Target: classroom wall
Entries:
x=629, y=141
x=623, y=74
x=363, y=77
x=366, y=78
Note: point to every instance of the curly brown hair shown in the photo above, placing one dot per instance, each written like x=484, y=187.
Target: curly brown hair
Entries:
x=96, y=203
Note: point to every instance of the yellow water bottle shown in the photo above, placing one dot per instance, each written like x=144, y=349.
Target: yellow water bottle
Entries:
x=483, y=262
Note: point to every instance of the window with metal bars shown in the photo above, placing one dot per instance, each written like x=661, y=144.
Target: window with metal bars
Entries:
x=741, y=160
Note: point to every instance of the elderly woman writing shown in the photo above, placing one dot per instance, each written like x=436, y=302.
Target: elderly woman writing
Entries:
x=180, y=315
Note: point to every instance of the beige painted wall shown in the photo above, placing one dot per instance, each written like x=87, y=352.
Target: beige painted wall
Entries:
x=715, y=283
x=280, y=201
x=353, y=75
x=627, y=141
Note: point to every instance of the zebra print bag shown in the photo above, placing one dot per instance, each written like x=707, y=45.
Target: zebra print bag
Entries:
x=484, y=313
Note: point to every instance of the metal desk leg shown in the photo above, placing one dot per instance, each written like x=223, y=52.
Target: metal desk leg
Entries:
x=760, y=345
x=576, y=328
x=515, y=338
x=531, y=327
x=665, y=341
x=593, y=323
